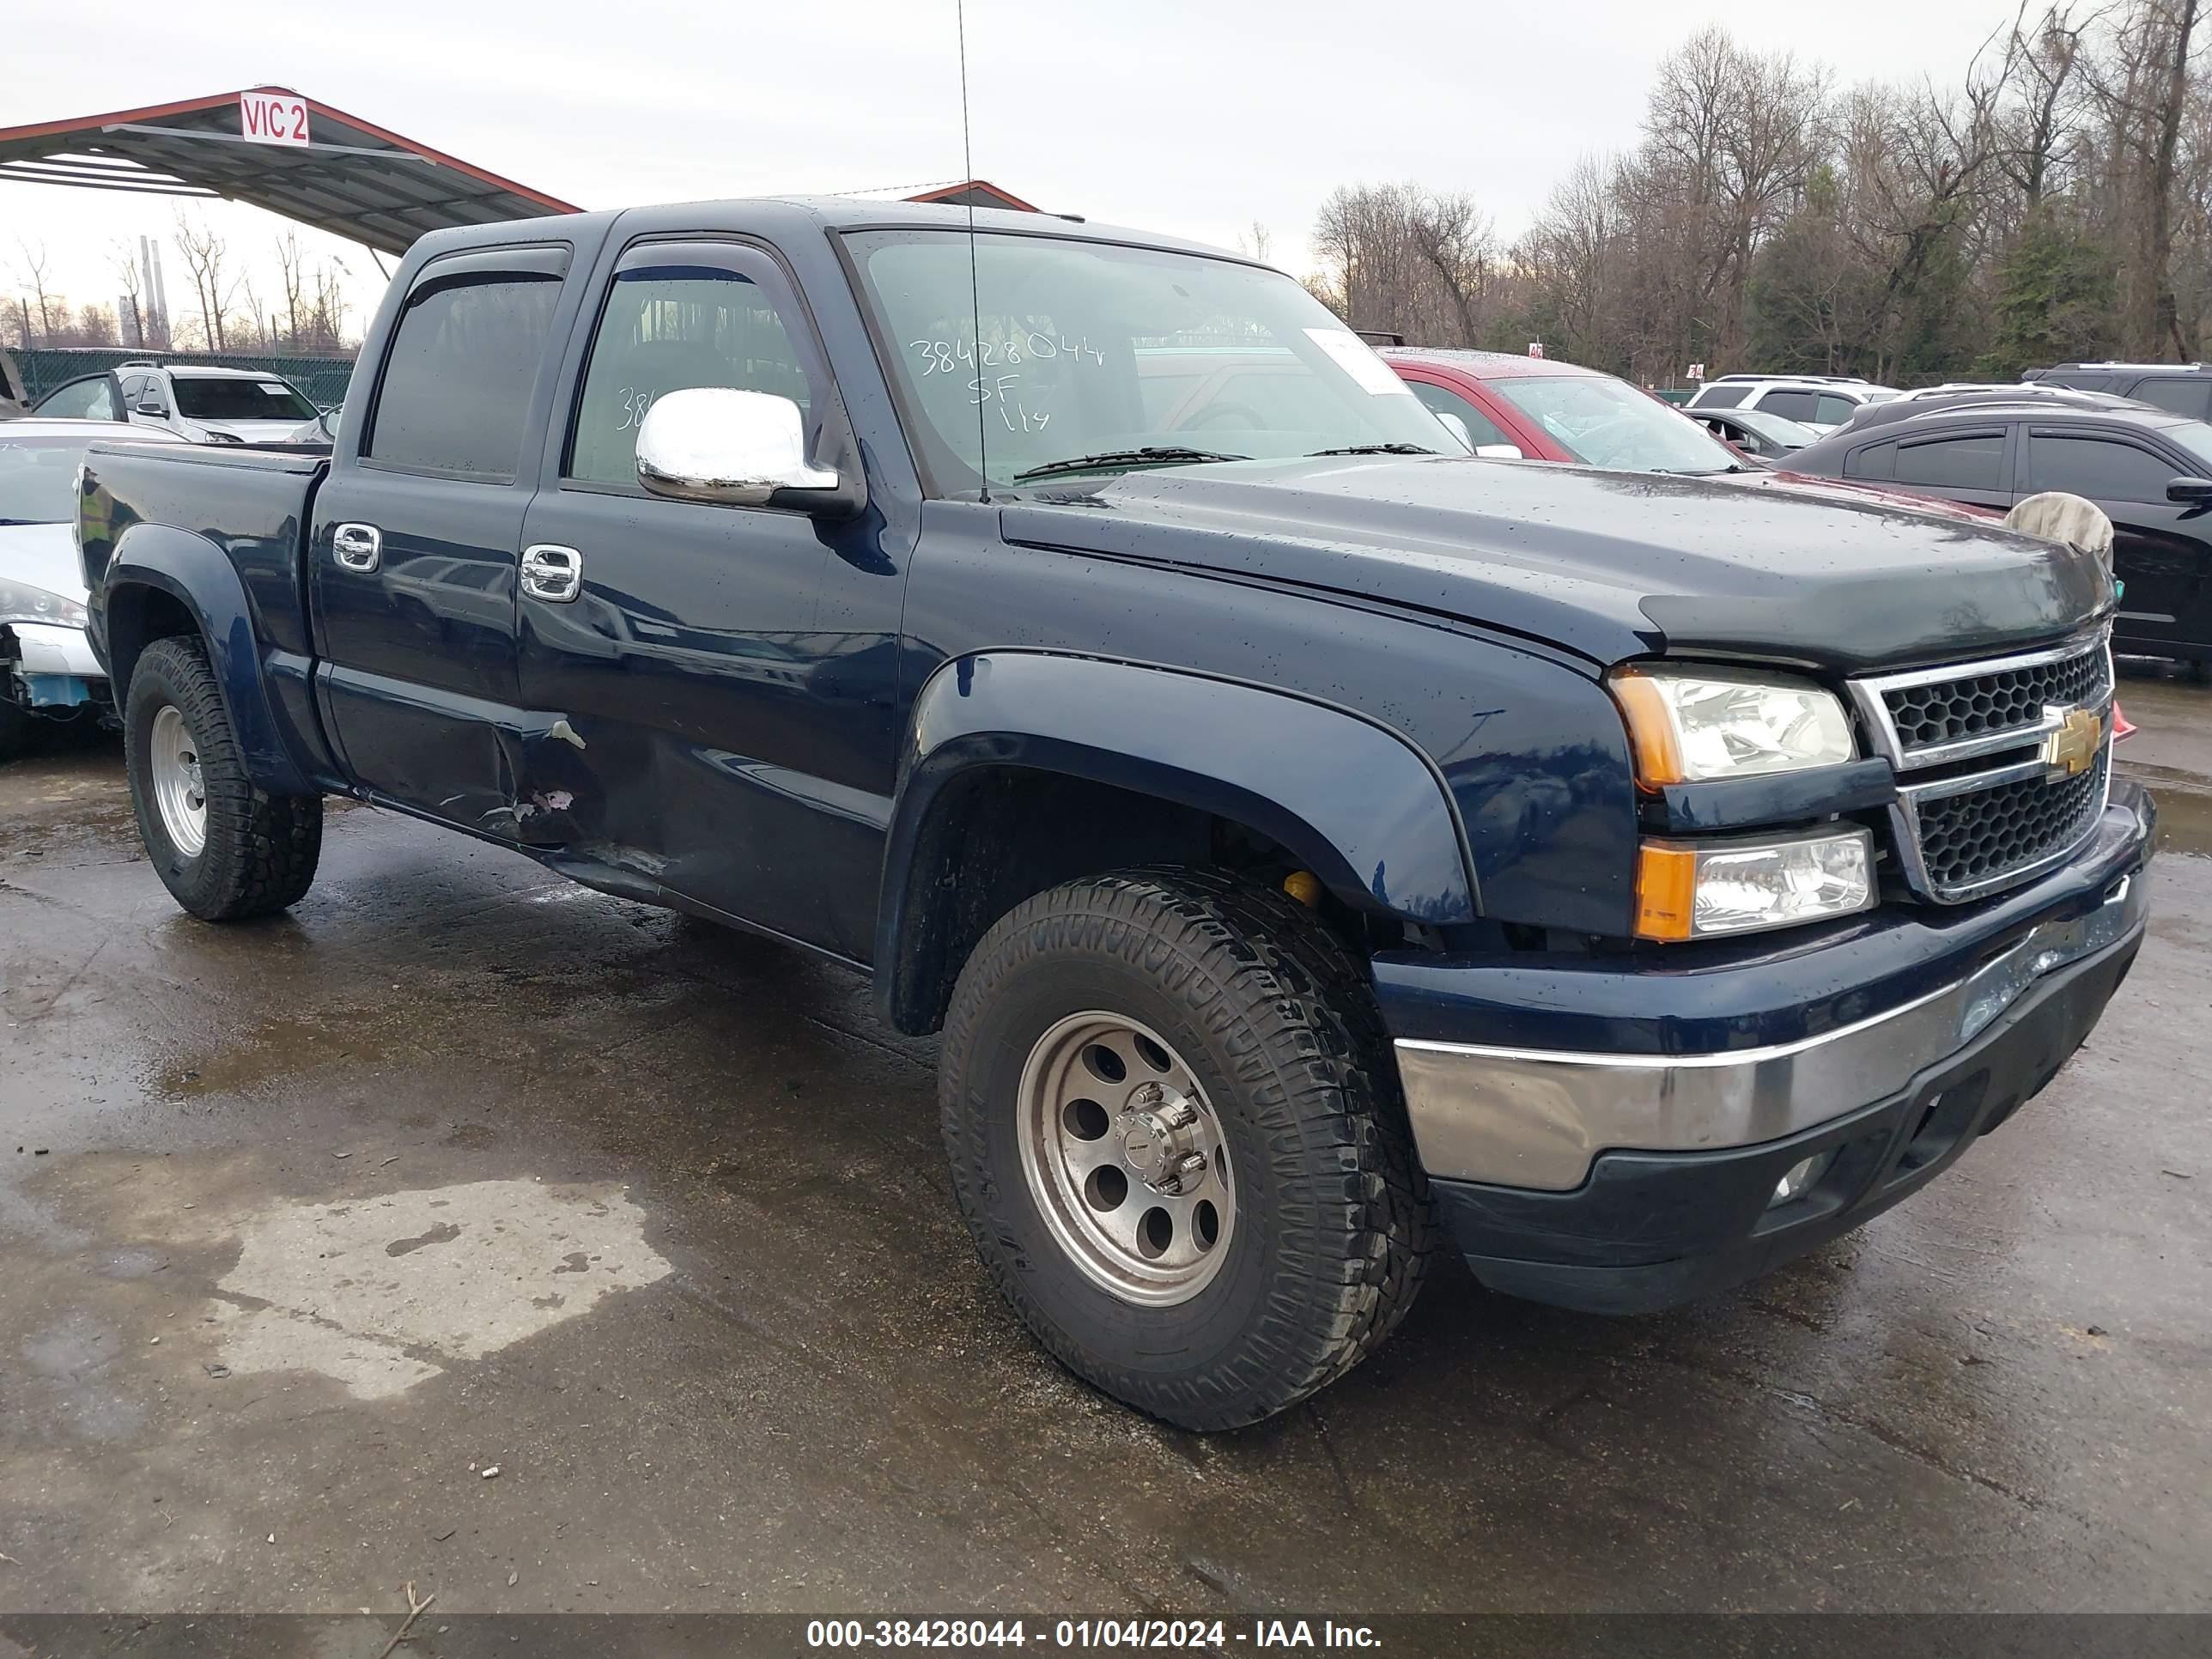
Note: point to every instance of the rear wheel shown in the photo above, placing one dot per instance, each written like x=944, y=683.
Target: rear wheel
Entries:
x=1176, y=1132
x=224, y=848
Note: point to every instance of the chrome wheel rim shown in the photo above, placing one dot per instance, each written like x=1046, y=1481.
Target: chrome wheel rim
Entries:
x=180, y=791
x=1125, y=1158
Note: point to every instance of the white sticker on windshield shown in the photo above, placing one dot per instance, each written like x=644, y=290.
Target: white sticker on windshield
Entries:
x=1357, y=359
x=273, y=388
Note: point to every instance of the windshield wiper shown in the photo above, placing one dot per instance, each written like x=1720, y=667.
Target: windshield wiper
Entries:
x=1151, y=455
x=1374, y=449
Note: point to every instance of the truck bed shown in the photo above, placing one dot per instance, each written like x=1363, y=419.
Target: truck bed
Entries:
x=251, y=505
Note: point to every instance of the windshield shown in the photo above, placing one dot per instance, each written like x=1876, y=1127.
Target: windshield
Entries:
x=1093, y=352
x=1882, y=397
x=2194, y=437
x=1609, y=423
x=206, y=398
x=1780, y=428
x=37, y=479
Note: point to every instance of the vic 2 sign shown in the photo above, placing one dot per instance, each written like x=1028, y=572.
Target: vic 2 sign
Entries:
x=272, y=118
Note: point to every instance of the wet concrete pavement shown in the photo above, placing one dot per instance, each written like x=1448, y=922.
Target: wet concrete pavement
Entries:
x=315, y=1221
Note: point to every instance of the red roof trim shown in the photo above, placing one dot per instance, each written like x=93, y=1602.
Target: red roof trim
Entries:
x=194, y=106
x=944, y=191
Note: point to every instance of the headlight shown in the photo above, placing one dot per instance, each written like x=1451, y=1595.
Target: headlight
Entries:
x=20, y=602
x=1690, y=890
x=1695, y=725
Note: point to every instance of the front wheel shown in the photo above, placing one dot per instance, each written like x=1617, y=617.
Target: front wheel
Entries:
x=225, y=848
x=1176, y=1132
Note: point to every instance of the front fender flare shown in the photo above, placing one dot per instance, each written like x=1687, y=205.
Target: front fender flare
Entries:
x=1355, y=802
x=199, y=576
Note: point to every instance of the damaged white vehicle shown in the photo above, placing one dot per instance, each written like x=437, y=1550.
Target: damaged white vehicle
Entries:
x=47, y=670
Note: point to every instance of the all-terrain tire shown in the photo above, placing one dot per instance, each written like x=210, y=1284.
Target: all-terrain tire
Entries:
x=261, y=850
x=1333, y=1230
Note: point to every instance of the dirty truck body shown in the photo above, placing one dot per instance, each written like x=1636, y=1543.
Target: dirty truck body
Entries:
x=1311, y=860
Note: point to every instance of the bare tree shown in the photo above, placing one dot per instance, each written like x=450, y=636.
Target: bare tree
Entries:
x=1454, y=241
x=2046, y=93
x=2142, y=82
x=291, y=266
x=1401, y=259
x=326, y=313
x=131, y=319
x=30, y=270
x=203, y=252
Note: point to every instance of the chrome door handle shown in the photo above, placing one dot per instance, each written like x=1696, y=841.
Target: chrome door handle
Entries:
x=357, y=546
x=552, y=572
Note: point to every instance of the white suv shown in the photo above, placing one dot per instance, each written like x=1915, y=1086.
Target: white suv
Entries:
x=1823, y=402
x=198, y=402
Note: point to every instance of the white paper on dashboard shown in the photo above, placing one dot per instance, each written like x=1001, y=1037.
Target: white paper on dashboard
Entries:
x=1357, y=359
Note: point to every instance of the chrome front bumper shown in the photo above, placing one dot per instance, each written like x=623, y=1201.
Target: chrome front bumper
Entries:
x=1535, y=1118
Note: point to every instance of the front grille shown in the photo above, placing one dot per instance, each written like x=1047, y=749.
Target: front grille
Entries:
x=1976, y=840
x=1994, y=702
x=1996, y=807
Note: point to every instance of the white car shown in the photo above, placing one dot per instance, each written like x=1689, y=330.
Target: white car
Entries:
x=197, y=402
x=47, y=671
x=1823, y=402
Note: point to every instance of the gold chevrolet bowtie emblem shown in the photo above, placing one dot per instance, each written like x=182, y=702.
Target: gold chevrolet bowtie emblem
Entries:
x=2072, y=749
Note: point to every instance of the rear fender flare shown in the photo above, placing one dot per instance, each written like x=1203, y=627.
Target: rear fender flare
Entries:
x=198, y=575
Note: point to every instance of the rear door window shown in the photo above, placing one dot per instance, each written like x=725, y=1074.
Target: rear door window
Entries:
x=2099, y=468
x=1830, y=410
x=1974, y=461
x=1720, y=397
x=1792, y=405
x=455, y=396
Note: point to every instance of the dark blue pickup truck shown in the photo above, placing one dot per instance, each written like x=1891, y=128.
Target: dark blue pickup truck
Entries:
x=1316, y=844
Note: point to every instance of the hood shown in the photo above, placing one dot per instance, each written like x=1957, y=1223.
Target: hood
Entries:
x=44, y=556
x=252, y=432
x=1610, y=565
x=1857, y=490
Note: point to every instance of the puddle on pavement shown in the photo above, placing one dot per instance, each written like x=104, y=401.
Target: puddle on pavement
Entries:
x=2185, y=808
x=376, y=1291
x=279, y=1049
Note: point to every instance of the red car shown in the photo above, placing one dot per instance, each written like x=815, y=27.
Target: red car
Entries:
x=1538, y=410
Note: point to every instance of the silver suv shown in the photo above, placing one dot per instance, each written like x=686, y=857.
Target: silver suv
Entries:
x=201, y=403
x=1823, y=402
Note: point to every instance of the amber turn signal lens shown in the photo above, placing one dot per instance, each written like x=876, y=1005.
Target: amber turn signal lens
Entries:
x=1666, y=891
x=1651, y=740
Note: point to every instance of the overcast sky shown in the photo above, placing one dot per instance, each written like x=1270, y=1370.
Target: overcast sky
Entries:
x=1194, y=117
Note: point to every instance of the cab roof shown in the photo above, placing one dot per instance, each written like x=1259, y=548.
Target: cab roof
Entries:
x=833, y=214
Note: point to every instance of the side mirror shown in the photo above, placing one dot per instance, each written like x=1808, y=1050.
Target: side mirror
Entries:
x=152, y=405
x=2189, y=492
x=1500, y=452
x=1457, y=428
x=720, y=445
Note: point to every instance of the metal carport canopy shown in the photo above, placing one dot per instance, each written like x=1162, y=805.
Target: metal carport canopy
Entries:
x=353, y=178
